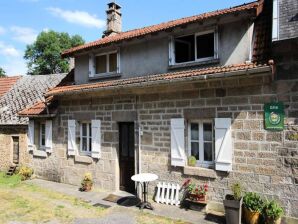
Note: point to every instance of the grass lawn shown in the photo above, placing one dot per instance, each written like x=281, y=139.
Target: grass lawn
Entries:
x=24, y=202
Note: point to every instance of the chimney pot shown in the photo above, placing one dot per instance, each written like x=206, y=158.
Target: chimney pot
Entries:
x=114, y=20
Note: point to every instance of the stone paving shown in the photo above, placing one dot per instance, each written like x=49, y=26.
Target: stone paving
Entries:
x=126, y=215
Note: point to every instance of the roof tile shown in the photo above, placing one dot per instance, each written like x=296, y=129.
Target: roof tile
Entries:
x=6, y=83
x=160, y=27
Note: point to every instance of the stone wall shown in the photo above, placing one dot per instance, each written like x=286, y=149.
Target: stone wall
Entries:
x=6, y=145
x=266, y=162
x=288, y=23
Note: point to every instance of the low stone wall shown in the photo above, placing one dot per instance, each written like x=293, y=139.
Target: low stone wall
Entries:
x=265, y=162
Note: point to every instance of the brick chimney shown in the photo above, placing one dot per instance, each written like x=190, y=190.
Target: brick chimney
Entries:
x=114, y=20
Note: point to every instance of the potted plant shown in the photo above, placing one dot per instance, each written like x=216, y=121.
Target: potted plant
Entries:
x=253, y=205
x=233, y=205
x=87, y=182
x=197, y=193
x=272, y=212
x=192, y=161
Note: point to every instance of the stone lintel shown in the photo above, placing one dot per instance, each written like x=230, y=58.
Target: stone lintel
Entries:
x=124, y=116
x=199, y=171
x=200, y=113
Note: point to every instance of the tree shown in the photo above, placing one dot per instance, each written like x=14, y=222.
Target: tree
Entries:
x=44, y=55
x=2, y=72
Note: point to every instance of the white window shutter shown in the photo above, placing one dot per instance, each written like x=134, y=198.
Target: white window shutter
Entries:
x=49, y=132
x=96, y=139
x=91, y=65
x=223, y=144
x=30, y=135
x=178, y=157
x=171, y=51
x=71, y=143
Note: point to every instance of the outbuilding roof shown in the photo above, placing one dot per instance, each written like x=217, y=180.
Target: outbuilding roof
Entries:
x=26, y=92
x=162, y=27
x=6, y=83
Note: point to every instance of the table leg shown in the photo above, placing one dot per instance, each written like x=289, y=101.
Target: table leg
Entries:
x=145, y=203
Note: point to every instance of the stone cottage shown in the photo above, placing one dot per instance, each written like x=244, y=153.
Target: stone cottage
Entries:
x=146, y=100
x=17, y=93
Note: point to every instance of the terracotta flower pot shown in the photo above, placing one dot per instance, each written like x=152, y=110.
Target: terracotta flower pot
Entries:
x=195, y=197
x=87, y=186
x=251, y=217
x=269, y=220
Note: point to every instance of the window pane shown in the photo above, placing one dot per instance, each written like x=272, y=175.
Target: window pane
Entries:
x=84, y=144
x=195, y=150
x=90, y=130
x=208, y=151
x=184, y=49
x=84, y=129
x=207, y=132
x=90, y=144
x=43, y=129
x=194, y=131
x=205, y=45
x=113, y=62
x=43, y=140
x=101, y=64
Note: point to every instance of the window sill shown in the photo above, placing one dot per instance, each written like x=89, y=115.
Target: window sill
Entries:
x=192, y=64
x=199, y=171
x=105, y=76
x=83, y=159
x=40, y=153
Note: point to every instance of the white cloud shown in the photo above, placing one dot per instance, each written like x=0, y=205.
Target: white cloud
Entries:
x=24, y=34
x=8, y=51
x=15, y=67
x=78, y=17
x=2, y=30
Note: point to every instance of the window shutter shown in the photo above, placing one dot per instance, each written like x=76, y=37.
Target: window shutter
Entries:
x=96, y=139
x=49, y=131
x=30, y=135
x=171, y=51
x=91, y=65
x=178, y=157
x=223, y=144
x=71, y=151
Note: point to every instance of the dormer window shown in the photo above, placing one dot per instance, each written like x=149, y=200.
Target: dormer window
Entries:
x=104, y=64
x=197, y=47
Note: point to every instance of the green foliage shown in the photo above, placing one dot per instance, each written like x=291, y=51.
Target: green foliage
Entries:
x=44, y=55
x=272, y=210
x=25, y=172
x=192, y=161
x=237, y=191
x=2, y=72
x=253, y=202
x=9, y=181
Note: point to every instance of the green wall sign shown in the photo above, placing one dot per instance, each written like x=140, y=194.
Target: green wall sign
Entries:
x=274, y=116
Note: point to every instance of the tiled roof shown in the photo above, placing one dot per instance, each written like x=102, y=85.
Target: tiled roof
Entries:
x=152, y=79
x=161, y=27
x=27, y=91
x=6, y=83
x=38, y=108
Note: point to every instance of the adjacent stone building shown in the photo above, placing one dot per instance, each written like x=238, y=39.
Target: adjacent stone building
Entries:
x=21, y=92
x=146, y=100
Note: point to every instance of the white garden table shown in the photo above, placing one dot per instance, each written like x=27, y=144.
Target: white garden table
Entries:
x=144, y=179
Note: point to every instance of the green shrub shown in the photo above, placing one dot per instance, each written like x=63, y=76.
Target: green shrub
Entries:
x=272, y=210
x=192, y=161
x=25, y=172
x=253, y=202
x=237, y=191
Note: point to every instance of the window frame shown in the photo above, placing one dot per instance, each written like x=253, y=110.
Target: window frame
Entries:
x=172, y=54
x=42, y=147
x=107, y=54
x=88, y=136
x=201, y=141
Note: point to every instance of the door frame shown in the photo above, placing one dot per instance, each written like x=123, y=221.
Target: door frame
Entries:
x=118, y=151
x=12, y=146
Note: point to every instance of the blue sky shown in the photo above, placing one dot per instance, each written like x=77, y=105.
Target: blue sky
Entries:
x=22, y=20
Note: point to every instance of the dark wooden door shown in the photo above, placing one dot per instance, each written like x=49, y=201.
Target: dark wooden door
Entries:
x=15, y=150
x=126, y=156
